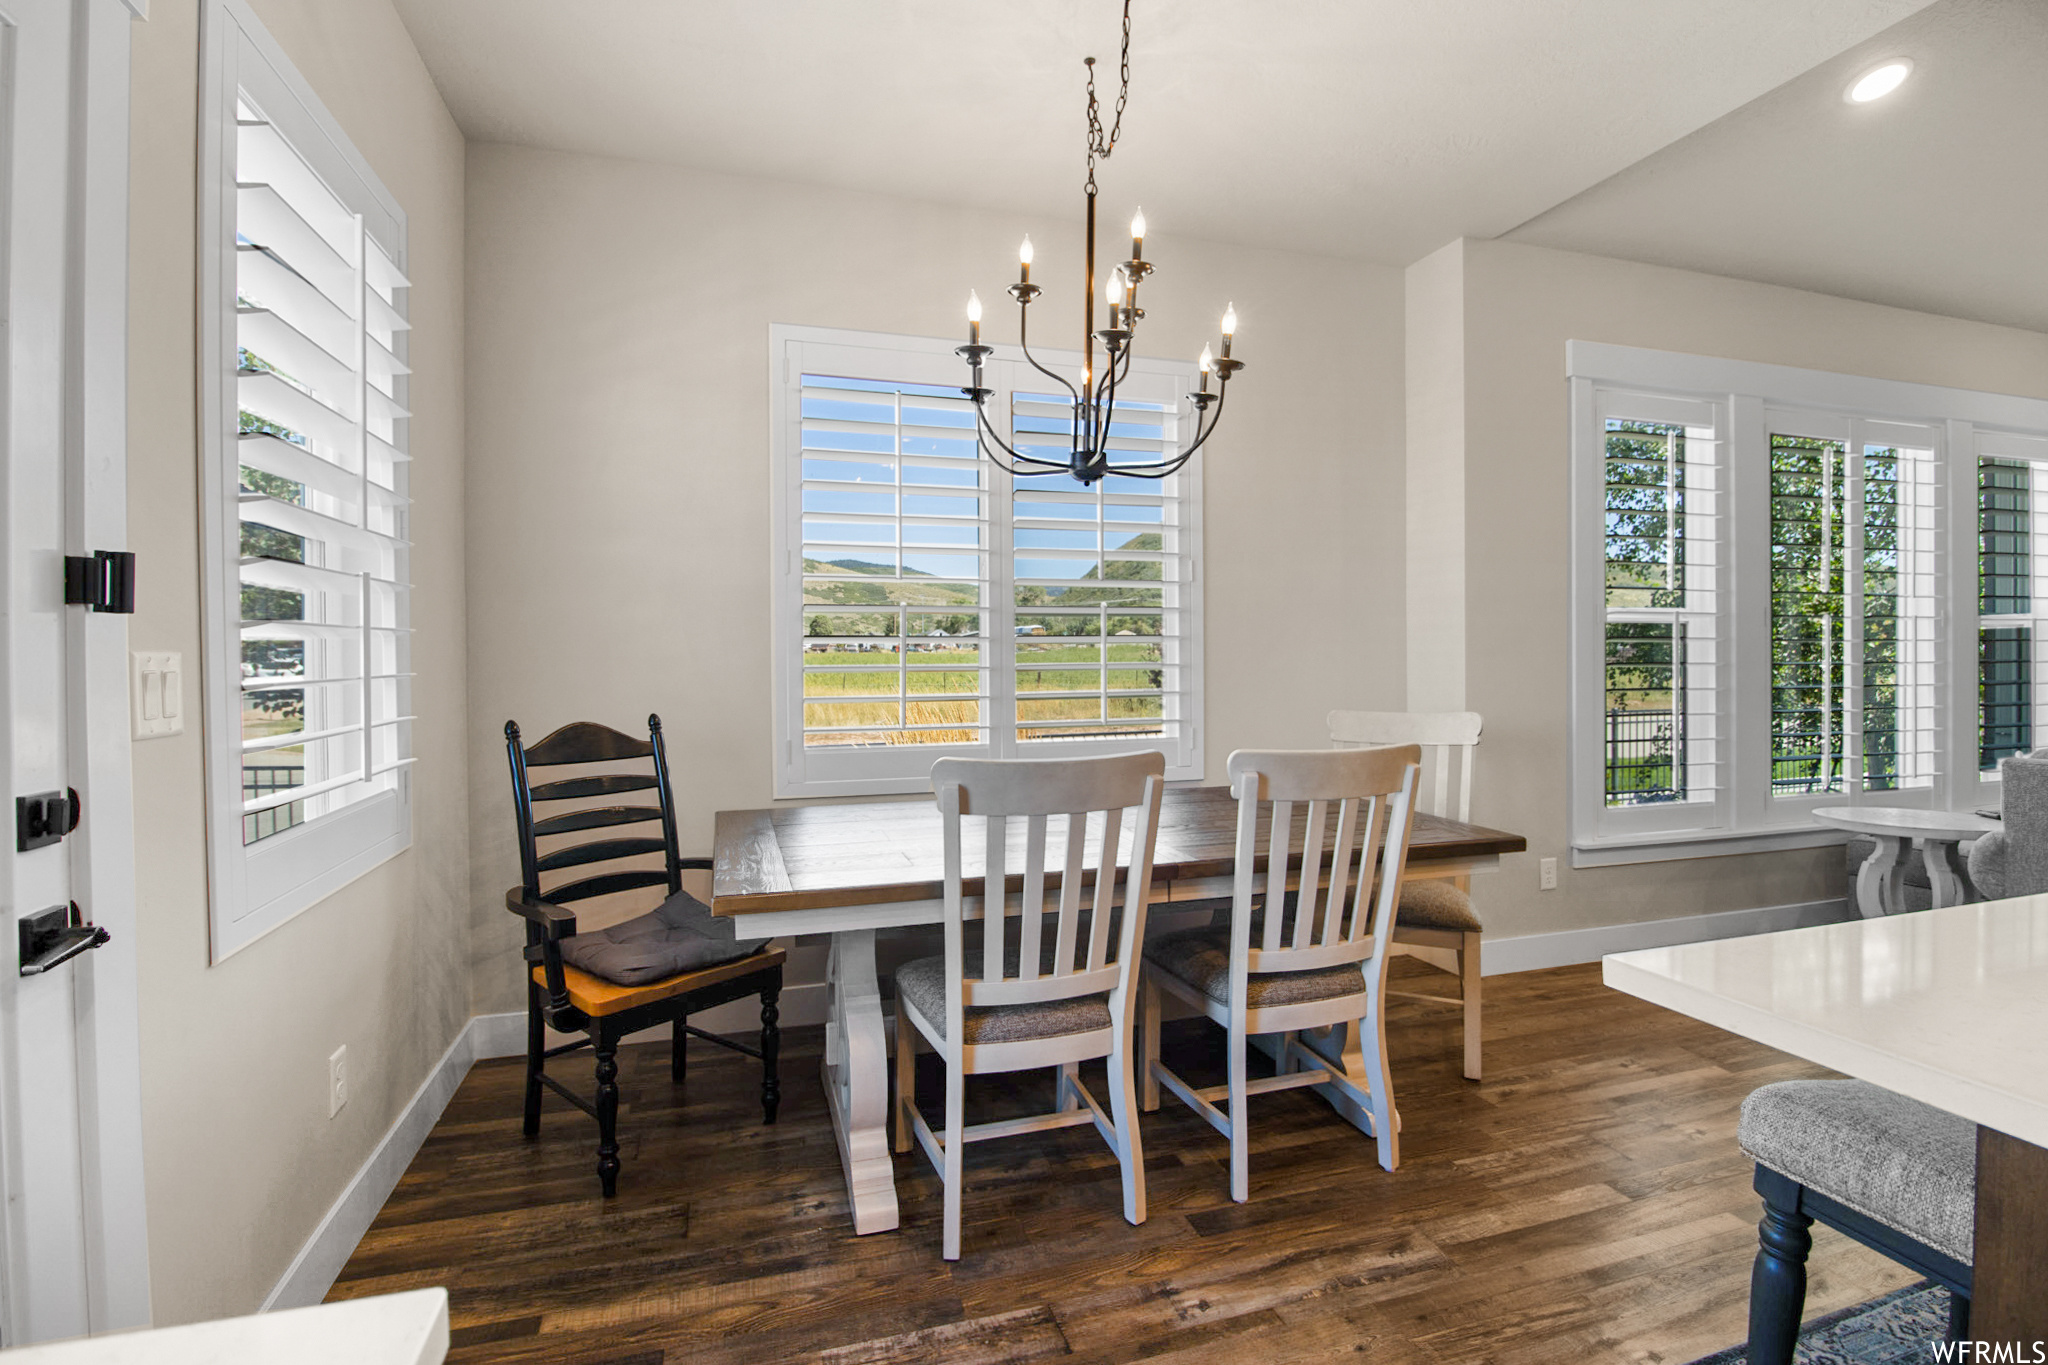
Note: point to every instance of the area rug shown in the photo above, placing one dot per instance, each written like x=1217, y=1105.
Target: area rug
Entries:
x=1893, y=1330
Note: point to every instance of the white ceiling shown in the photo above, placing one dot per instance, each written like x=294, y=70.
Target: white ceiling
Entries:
x=1934, y=198
x=1378, y=129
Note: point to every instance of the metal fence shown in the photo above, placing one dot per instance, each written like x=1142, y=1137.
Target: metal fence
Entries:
x=1645, y=761
x=260, y=779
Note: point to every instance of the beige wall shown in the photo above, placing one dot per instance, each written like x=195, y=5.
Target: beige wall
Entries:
x=241, y=1159
x=618, y=343
x=1518, y=306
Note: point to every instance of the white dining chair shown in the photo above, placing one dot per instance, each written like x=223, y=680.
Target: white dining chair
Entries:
x=1314, y=959
x=1435, y=913
x=1052, y=986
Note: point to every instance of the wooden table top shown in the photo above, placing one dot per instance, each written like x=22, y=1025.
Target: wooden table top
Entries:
x=871, y=853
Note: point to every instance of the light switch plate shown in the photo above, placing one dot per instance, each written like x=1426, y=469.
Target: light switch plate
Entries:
x=156, y=692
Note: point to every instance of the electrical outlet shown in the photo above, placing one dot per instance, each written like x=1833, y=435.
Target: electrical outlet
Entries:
x=337, y=1080
x=1546, y=874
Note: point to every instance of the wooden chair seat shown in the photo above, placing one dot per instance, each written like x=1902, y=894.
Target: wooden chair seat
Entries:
x=1315, y=973
x=598, y=997
x=1041, y=990
x=1434, y=916
x=572, y=999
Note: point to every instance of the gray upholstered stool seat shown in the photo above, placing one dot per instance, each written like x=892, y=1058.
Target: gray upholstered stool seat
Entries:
x=1902, y=1163
x=1436, y=904
x=922, y=981
x=1201, y=957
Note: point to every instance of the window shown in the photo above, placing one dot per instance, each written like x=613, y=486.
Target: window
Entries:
x=305, y=452
x=928, y=603
x=1771, y=610
x=1853, y=653
x=2012, y=521
x=1659, y=594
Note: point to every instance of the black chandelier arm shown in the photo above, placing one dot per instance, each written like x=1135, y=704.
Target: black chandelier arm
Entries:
x=1103, y=410
x=1073, y=394
x=1168, y=468
x=983, y=426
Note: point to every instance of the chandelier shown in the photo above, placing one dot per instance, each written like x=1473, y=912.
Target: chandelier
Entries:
x=1094, y=401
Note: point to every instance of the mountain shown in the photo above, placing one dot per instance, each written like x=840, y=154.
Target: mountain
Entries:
x=850, y=592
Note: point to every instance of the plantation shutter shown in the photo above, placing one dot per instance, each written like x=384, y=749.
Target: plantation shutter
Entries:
x=1855, y=643
x=895, y=566
x=1098, y=581
x=321, y=450
x=1664, y=758
x=2012, y=594
x=929, y=603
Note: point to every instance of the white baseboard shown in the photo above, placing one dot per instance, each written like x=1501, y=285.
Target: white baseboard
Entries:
x=1571, y=946
x=320, y=1260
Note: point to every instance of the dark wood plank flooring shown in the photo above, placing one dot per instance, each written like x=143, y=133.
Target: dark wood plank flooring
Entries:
x=1586, y=1202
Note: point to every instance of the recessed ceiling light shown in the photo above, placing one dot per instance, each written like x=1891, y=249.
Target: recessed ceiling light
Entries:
x=1879, y=81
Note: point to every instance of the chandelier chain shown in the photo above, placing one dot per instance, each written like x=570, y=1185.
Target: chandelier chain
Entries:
x=1099, y=146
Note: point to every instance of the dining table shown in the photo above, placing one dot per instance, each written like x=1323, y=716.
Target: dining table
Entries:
x=856, y=870
x=1946, y=1006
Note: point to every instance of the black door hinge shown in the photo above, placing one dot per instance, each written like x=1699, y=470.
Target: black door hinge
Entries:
x=55, y=936
x=104, y=581
x=45, y=818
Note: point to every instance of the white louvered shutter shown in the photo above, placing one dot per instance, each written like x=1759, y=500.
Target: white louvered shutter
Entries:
x=1099, y=577
x=321, y=455
x=929, y=603
x=895, y=566
x=1663, y=756
x=1855, y=606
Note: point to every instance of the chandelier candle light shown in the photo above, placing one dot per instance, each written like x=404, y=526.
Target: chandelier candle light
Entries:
x=1095, y=401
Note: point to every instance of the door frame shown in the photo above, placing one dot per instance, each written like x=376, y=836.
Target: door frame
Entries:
x=102, y=852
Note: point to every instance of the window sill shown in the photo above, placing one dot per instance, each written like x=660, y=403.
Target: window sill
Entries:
x=1664, y=847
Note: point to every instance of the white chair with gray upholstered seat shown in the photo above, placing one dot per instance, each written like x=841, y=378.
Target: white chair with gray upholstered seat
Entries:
x=1314, y=959
x=1051, y=986
x=1435, y=913
x=1893, y=1173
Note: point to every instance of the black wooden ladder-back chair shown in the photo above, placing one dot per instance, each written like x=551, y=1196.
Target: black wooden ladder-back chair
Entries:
x=658, y=969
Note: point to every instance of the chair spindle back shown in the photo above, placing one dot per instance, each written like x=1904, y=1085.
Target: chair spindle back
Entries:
x=589, y=742
x=1048, y=798
x=1438, y=732
x=1372, y=794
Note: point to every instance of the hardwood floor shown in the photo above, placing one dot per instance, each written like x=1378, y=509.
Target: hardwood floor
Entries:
x=1586, y=1202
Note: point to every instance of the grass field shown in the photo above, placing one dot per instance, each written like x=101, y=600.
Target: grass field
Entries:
x=840, y=697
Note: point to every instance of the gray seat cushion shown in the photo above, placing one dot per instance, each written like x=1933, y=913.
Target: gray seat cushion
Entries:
x=1908, y=1165
x=680, y=935
x=1201, y=958
x=922, y=981
x=1436, y=904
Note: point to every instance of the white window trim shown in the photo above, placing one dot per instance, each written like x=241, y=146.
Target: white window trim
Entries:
x=1962, y=420
x=255, y=890
x=931, y=360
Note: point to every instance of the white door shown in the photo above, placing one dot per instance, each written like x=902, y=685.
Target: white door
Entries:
x=69, y=1132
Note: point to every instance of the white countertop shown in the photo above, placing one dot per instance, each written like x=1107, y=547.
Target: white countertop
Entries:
x=1947, y=1006
x=385, y=1329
